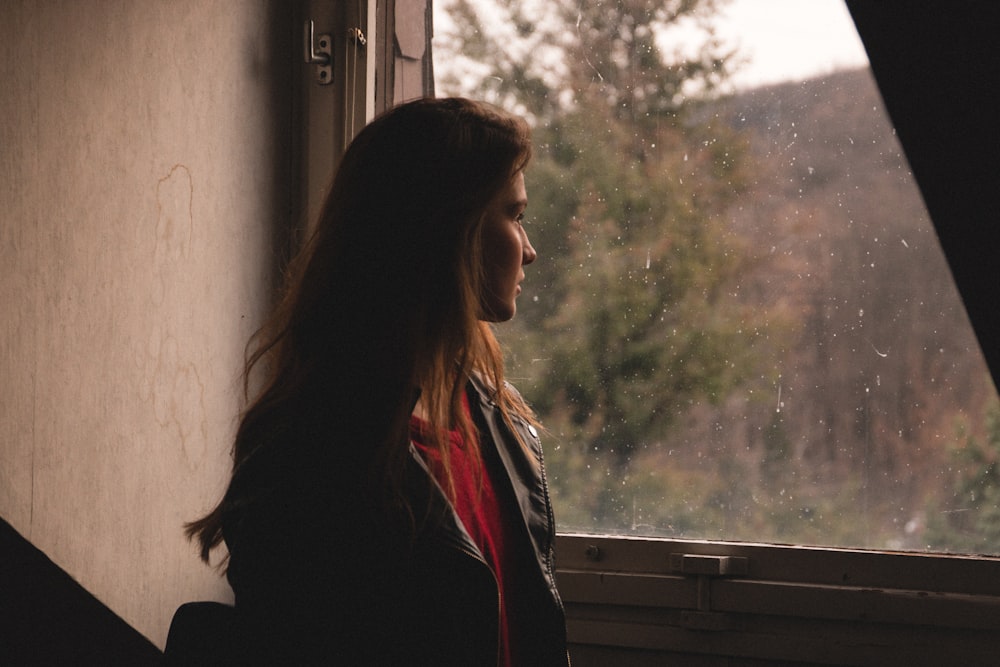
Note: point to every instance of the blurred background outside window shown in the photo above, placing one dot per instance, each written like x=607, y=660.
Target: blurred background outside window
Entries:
x=741, y=325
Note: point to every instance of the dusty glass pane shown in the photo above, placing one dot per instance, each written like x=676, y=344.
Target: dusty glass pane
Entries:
x=741, y=325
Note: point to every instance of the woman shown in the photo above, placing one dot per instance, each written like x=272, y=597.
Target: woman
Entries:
x=388, y=503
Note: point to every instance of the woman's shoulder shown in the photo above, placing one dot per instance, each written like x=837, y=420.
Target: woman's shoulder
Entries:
x=491, y=395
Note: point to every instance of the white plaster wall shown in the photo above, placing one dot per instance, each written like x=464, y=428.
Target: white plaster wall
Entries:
x=139, y=185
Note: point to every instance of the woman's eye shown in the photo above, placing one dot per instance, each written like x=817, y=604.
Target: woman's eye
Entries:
x=520, y=218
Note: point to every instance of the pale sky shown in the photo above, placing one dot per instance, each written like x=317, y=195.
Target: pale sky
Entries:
x=791, y=39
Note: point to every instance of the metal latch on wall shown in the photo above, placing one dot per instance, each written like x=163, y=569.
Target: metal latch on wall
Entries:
x=318, y=51
x=705, y=568
x=714, y=566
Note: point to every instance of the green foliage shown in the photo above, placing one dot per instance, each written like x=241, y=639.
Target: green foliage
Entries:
x=654, y=496
x=968, y=520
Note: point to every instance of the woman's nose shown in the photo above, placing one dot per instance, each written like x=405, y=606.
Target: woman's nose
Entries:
x=528, y=251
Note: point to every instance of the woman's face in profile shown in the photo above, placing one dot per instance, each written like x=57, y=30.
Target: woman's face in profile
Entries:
x=506, y=250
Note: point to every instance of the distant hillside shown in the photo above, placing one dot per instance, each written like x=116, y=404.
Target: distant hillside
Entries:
x=877, y=361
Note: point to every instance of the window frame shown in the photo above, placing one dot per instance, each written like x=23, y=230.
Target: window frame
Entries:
x=782, y=602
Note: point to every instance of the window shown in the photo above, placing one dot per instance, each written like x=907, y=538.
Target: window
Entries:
x=742, y=327
x=741, y=331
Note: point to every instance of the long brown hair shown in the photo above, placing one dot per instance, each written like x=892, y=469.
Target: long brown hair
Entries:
x=383, y=303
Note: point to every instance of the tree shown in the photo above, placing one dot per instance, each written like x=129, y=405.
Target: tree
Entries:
x=631, y=314
x=969, y=520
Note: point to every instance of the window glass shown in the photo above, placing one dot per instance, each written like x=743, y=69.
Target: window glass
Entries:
x=741, y=325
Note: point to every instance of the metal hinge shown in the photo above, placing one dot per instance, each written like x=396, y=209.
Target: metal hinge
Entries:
x=318, y=51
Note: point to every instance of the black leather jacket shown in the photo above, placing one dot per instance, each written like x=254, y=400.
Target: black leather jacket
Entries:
x=321, y=578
